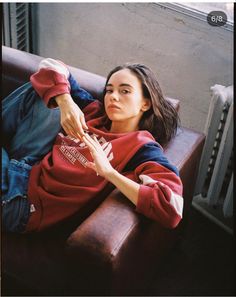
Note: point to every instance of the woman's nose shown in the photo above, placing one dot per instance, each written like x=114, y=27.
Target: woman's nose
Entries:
x=114, y=96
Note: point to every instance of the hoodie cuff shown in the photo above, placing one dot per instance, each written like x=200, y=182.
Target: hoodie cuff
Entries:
x=144, y=200
x=49, y=97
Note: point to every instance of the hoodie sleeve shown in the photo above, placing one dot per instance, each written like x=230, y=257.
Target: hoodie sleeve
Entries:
x=160, y=195
x=53, y=78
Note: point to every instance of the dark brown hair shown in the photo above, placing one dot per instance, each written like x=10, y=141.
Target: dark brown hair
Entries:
x=162, y=119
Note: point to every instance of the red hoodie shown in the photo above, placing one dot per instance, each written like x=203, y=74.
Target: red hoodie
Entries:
x=60, y=185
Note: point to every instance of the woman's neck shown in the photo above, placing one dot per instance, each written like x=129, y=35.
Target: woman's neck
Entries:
x=123, y=127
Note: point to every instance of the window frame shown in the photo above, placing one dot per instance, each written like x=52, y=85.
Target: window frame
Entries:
x=194, y=13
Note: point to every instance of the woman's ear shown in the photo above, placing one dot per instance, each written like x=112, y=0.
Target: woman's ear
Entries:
x=146, y=105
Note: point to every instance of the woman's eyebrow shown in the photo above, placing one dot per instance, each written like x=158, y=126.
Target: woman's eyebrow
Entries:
x=121, y=85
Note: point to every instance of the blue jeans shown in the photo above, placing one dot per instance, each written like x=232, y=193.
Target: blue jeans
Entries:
x=15, y=206
x=29, y=130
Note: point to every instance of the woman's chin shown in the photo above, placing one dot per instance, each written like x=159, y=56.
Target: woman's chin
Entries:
x=114, y=117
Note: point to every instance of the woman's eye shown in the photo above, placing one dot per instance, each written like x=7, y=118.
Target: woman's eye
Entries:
x=108, y=91
x=125, y=91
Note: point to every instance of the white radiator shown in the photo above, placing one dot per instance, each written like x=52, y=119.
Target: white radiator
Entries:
x=215, y=177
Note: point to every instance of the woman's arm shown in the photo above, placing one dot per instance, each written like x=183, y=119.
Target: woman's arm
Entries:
x=51, y=80
x=157, y=196
x=103, y=168
x=54, y=84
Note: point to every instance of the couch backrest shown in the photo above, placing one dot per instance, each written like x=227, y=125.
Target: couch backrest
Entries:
x=18, y=66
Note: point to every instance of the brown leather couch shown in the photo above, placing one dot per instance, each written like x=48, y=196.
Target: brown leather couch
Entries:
x=108, y=248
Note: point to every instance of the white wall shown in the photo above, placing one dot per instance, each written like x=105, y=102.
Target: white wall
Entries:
x=187, y=54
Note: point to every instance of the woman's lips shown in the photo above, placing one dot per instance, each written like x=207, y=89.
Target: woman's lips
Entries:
x=113, y=106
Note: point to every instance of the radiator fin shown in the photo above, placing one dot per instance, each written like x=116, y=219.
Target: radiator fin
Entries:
x=214, y=181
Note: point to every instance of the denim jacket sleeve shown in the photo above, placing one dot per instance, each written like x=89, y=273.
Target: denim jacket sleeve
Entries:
x=81, y=97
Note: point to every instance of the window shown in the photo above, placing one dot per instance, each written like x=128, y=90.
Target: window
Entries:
x=15, y=29
x=207, y=7
x=200, y=10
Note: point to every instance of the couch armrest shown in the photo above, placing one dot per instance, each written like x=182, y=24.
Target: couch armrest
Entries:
x=115, y=245
x=184, y=151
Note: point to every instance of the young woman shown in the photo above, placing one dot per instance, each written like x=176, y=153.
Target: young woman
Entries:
x=49, y=173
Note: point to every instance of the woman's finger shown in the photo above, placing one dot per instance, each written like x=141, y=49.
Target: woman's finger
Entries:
x=89, y=138
x=69, y=130
x=88, y=142
x=76, y=127
x=83, y=123
x=96, y=140
x=65, y=128
x=92, y=166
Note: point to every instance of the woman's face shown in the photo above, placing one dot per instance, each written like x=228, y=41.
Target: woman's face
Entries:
x=124, y=101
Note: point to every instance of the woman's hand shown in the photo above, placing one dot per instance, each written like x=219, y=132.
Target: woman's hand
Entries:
x=72, y=117
x=103, y=168
x=100, y=162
